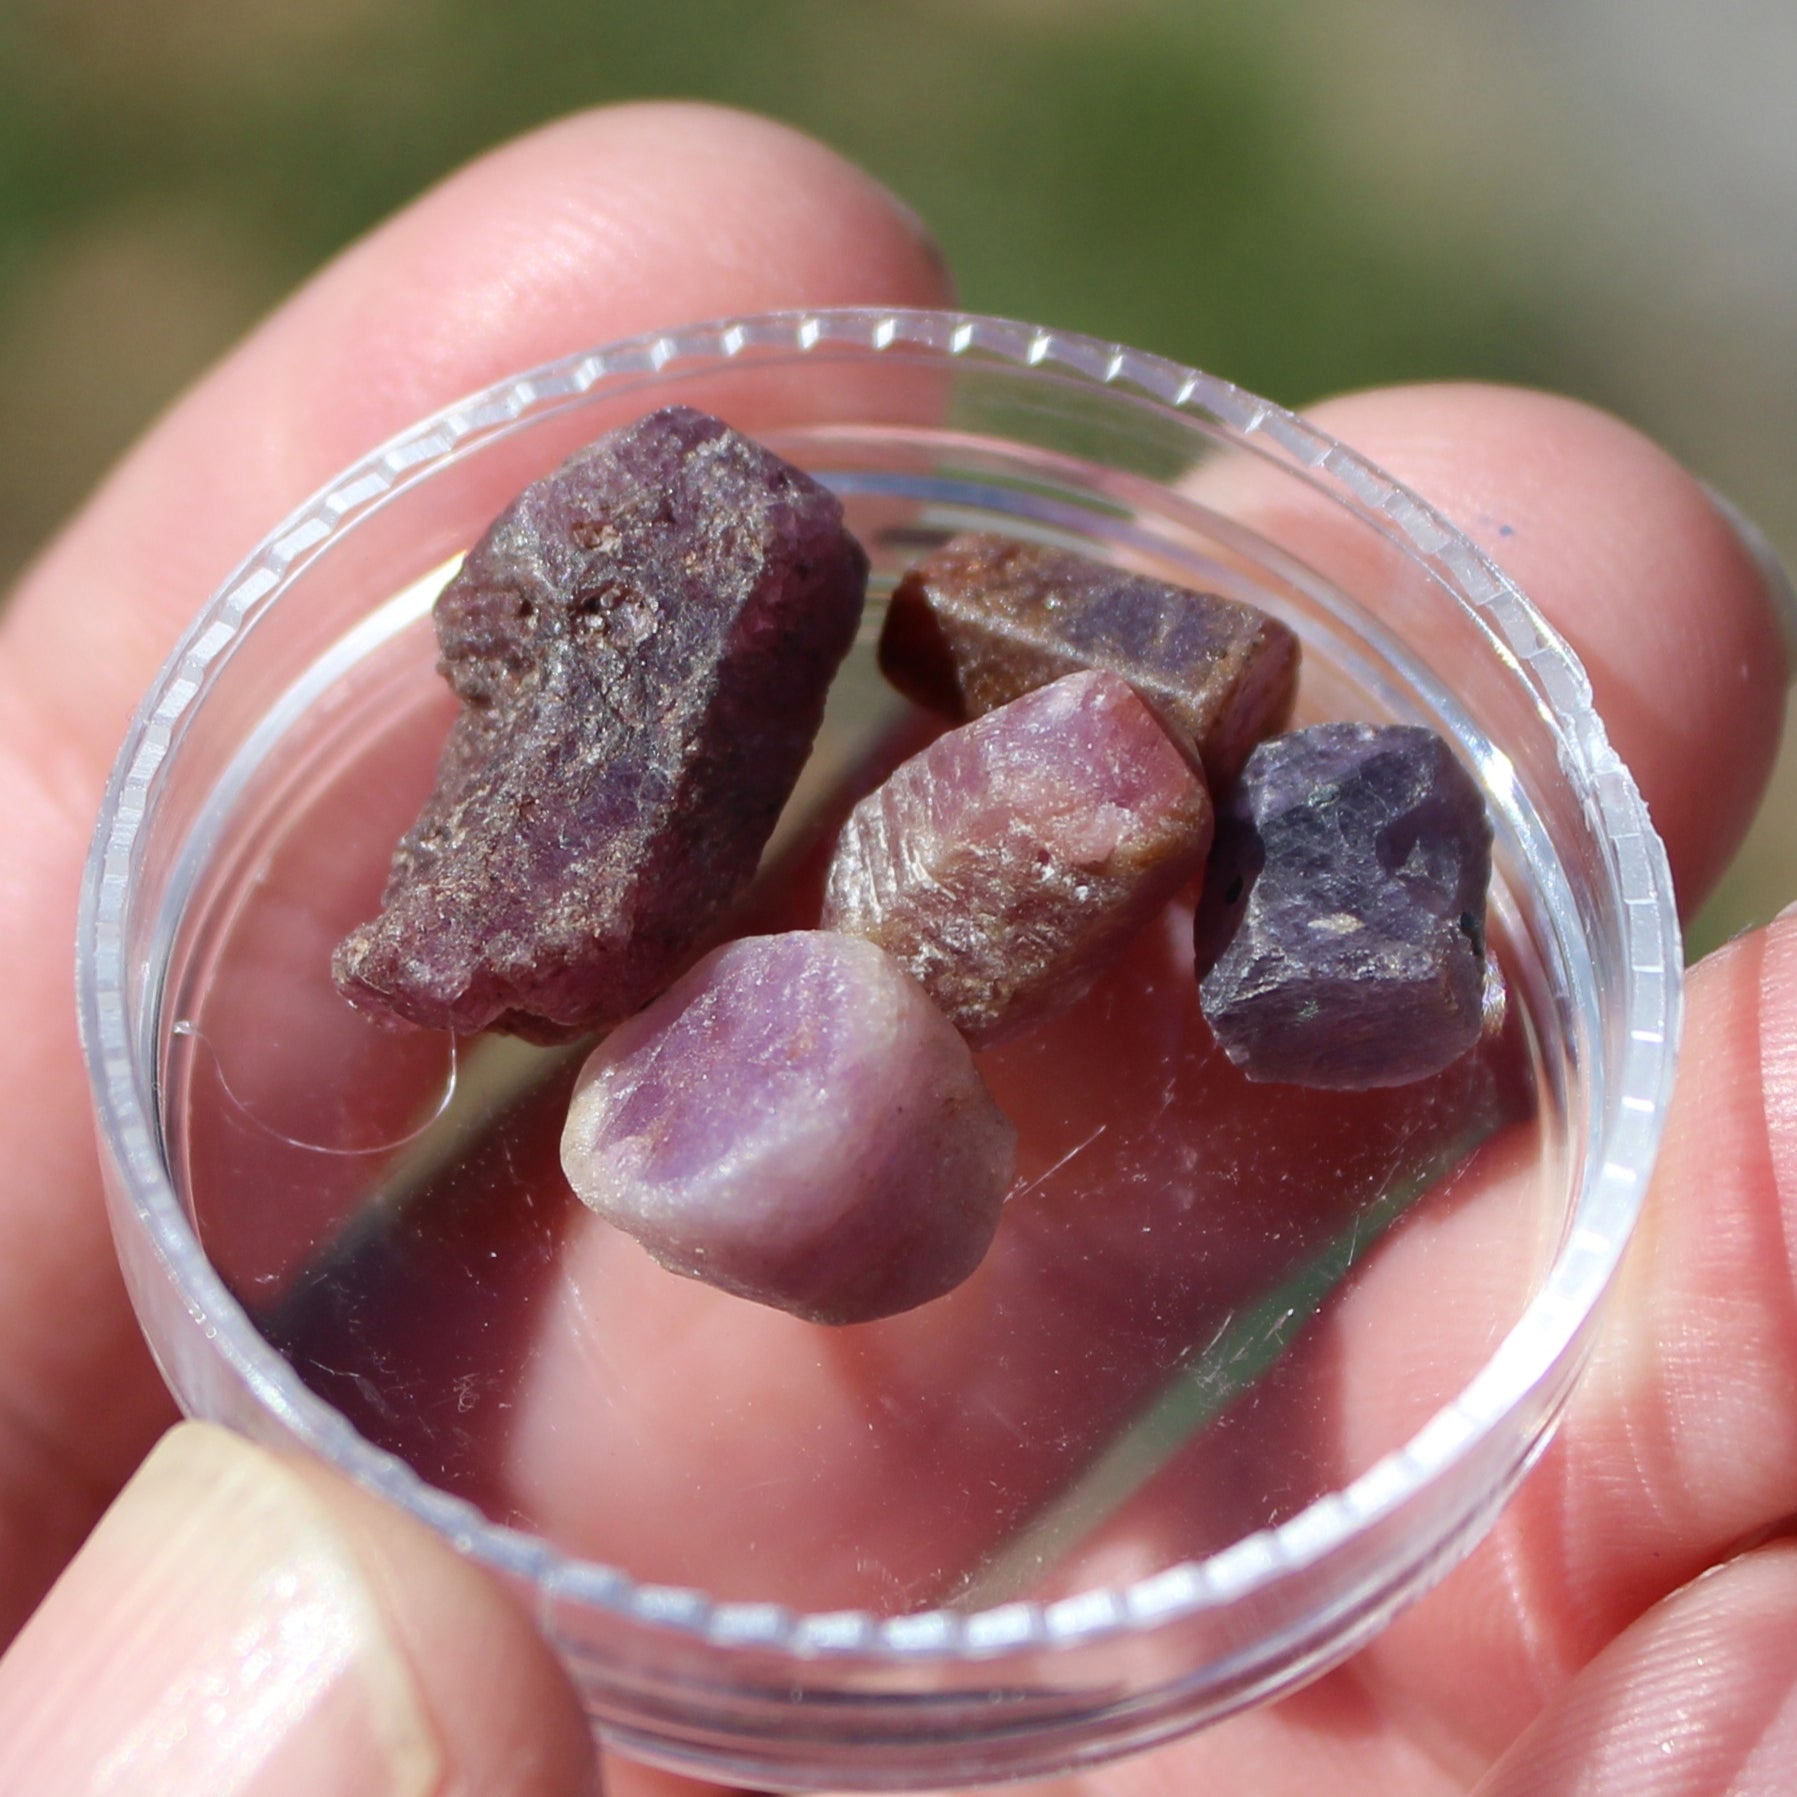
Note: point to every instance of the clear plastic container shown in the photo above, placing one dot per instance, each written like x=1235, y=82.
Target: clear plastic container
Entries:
x=1247, y=1368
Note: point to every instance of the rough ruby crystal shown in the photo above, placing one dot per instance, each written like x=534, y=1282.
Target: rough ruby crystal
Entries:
x=1007, y=864
x=642, y=643
x=795, y=1122
x=1343, y=914
x=985, y=618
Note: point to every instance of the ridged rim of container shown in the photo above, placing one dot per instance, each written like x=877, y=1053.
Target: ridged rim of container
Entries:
x=1546, y=1333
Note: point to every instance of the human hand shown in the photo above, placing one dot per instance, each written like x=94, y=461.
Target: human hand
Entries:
x=303, y=1638
x=336, y=1634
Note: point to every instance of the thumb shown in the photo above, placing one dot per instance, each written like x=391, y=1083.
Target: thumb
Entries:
x=1697, y=1699
x=247, y=1627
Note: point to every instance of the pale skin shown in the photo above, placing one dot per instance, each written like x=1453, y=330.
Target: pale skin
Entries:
x=1581, y=1649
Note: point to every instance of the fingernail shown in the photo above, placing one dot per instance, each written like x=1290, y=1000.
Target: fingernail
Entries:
x=926, y=239
x=1779, y=590
x=215, y=1635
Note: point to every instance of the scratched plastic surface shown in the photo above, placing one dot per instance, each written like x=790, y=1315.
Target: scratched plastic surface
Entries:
x=1210, y=1301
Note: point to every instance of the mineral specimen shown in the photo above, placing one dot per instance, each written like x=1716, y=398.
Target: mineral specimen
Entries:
x=1343, y=914
x=795, y=1122
x=1007, y=864
x=985, y=619
x=641, y=643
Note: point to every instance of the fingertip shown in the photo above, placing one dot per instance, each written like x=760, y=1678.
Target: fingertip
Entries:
x=1775, y=577
x=603, y=224
x=502, y=1707
x=896, y=260
x=1700, y=1695
x=1669, y=608
x=240, y=1622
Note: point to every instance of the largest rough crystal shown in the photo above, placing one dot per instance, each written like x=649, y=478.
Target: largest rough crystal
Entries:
x=642, y=644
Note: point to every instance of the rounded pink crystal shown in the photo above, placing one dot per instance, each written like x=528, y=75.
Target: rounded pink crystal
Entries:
x=795, y=1122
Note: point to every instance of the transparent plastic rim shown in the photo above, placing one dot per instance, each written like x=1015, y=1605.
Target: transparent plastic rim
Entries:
x=1544, y=1338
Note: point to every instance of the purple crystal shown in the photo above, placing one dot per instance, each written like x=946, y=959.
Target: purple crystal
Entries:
x=985, y=619
x=642, y=643
x=1343, y=915
x=1007, y=865
x=795, y=1122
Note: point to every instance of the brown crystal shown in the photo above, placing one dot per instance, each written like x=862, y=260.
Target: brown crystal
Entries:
x=642, y=643
x=986, y=618
x=1006, y=865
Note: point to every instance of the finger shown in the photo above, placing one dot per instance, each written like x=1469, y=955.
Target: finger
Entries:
x=609, y=223
x=1698, y=1699
x=1671, y=611
x=1682, y=1439
x=239, y=1626
x=1677, y=618
x=596, y=227
x=1631, y=558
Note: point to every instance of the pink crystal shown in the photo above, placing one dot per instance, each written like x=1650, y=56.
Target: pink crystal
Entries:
x=642, y=643
x=985, y=619
x=1009, y=863
x=795, y=1122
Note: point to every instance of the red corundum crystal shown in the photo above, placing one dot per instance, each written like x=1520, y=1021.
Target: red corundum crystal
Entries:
x=1009, y=862
x=795, y=1122
x=642, y=643
x=1343, y=919
x=985, y=619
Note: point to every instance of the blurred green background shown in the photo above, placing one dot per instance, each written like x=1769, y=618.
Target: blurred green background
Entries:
x=1597, y=195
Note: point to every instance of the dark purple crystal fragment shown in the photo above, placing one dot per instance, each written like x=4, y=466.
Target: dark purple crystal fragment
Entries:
x=793, y=1121
x=985, y=619
x=642, y=644
x=1341, y=939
